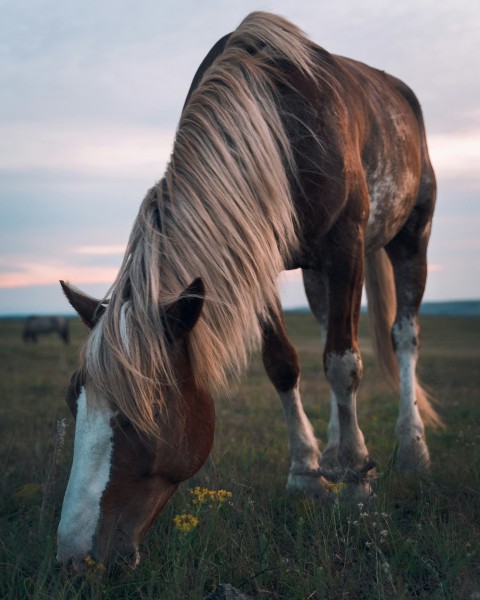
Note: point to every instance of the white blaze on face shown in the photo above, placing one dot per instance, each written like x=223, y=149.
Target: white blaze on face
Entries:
x=88, y=479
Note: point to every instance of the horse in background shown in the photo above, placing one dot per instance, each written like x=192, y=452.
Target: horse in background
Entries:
x=40, y=325
x=286, y=157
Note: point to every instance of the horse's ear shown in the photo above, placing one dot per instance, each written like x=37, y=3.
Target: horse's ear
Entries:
x=89, y=309
x=181, y=316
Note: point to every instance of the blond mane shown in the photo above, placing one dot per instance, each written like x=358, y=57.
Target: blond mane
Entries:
x=222, y=212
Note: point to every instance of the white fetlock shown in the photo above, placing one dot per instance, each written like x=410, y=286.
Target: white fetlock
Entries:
x=313, y=486
x=413, y=457
x=329, y=460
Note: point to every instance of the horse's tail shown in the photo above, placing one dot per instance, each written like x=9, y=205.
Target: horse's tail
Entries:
x=382, y=306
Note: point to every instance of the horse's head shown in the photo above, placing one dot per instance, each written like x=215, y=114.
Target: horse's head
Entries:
x=120, y=478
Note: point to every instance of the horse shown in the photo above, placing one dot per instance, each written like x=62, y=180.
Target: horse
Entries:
x=285, y=157
x=35, y=325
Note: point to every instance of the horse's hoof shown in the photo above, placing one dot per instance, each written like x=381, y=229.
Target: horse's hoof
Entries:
x=308, y=485
x=359, y=492
x=353, y=485
x=412, y=458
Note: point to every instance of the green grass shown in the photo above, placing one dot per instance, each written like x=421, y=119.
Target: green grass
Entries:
x=416, y=539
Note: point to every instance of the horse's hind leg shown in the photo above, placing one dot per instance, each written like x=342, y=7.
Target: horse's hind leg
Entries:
x=408, y=255
x=281, y=364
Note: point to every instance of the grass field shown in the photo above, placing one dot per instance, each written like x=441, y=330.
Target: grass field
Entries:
x=416, y=539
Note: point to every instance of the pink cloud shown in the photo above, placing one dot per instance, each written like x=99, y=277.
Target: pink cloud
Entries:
x=34, y=274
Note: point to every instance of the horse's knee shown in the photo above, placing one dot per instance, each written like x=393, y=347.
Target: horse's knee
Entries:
x=344, y=372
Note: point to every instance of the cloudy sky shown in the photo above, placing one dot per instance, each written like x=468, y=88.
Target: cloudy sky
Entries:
x=91, y=93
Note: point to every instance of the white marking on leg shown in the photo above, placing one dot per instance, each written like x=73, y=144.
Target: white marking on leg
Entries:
x=330, y=453
x=302, y=443
x=88, y=480
x=405, y=338
x=344, y=370
x=409, y=428
x=303, y=447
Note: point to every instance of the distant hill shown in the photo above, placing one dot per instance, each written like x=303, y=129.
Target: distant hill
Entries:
x=455, y=308
x=460, y=308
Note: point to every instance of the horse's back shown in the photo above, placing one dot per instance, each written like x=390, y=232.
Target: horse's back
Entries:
x=356, y=132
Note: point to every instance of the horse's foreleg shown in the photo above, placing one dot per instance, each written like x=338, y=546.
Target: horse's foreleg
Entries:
x=316, y=290
x=334, y=295
x=281, y=364
x=344, y=372
x=342, y=359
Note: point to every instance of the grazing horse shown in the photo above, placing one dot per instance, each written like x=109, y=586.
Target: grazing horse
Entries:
x=35, y=326
x=285, y=157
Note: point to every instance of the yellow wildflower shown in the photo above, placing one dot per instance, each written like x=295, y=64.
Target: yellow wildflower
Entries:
x=93, y=564
x=88, y=560
x=185, y=522
x=202, y=495
x=336, y=488
x=223, y=496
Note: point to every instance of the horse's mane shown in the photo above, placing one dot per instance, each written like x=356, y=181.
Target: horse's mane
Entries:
x=222, y=212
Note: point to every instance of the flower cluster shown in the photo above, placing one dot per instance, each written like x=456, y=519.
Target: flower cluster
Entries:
x=375, y=524
x=185, y=522
x=200, y=496
x=203, y=495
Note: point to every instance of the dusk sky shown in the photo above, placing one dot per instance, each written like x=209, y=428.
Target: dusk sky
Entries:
x=91, y=93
